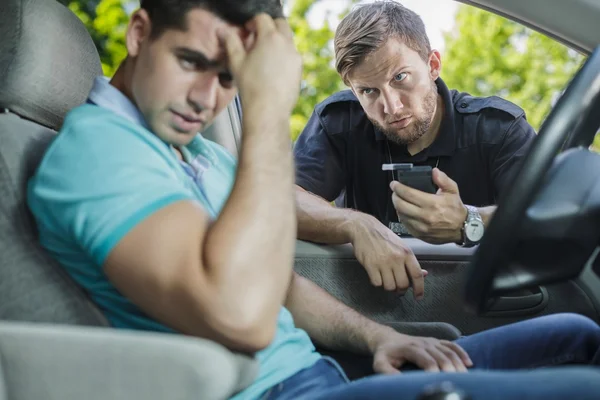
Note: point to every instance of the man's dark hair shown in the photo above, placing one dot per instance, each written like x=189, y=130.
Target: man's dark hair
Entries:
x=369, y=26
x=171, y=14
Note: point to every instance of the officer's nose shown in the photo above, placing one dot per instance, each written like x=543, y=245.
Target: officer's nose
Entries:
x=392, y=104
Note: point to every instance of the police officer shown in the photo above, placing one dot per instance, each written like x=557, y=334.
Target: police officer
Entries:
x=399, y=110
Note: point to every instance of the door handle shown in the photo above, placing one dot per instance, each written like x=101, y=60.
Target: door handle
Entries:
x=518, y=304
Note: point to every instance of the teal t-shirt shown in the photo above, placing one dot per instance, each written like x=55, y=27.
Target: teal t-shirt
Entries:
x=101, y=176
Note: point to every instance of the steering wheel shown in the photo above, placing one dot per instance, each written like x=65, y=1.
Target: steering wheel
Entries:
x=572, y=123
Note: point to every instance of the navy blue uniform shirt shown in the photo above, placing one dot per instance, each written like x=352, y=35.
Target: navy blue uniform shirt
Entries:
x=481, y=143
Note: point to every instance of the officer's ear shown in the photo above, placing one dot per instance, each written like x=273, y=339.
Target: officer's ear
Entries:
x=435, y=64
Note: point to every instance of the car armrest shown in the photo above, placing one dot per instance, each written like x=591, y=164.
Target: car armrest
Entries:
x=57, y=362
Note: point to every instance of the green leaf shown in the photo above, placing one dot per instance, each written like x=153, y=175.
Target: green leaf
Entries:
x=488, y=55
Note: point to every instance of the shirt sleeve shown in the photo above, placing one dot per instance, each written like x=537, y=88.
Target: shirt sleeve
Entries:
x=319, y=160
x=100, y=178
x=508, y=157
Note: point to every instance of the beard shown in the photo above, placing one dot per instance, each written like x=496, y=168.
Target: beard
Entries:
x=419, y=126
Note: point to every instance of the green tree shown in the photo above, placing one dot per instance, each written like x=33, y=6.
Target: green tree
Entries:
x=106, y=21
x=319, y=79
x=487, y=54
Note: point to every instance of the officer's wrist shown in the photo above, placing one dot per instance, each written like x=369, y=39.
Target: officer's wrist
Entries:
x=459, y=231
x=486, y=214
x=358, y=223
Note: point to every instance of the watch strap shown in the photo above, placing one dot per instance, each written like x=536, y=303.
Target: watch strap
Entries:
x=472, y=214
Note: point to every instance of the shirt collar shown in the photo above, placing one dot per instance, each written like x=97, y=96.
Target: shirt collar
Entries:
x=105, y=95
x=445, y=143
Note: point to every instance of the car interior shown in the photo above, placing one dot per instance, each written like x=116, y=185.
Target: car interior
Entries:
x=538, y=256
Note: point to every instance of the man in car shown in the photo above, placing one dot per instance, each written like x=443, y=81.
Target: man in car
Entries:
x=399, y=110
x=167, y=233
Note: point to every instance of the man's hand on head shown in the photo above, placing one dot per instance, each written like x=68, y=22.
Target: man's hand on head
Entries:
x=386, y=258
x=265, y=64
x=435, y=218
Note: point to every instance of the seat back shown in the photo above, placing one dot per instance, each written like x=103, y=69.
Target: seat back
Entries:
x=47, y=65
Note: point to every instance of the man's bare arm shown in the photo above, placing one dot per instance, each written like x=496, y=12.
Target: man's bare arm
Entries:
x=228, y=279
x=335, y=326
x=329, y=322
x=388, y=261
x=321, y=222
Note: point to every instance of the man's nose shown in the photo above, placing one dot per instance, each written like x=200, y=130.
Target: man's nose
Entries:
x=203, y=95
x=392, y=104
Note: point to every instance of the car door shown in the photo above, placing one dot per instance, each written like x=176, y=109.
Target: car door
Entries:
x=336, y=269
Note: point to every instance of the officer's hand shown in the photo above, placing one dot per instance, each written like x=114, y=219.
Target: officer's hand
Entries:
x=266, y=67
x=388, y=261
x=434, y=218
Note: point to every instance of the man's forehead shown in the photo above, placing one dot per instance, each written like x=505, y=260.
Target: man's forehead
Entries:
x=202, y=32
x=374, y=70
x=387, y=60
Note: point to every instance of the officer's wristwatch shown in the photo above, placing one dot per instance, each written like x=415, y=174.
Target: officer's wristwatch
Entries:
x=473, y=228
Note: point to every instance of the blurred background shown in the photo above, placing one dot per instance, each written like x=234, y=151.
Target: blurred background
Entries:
x=482, y=53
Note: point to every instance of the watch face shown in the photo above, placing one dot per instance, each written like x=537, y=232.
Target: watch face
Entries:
x=474, y=231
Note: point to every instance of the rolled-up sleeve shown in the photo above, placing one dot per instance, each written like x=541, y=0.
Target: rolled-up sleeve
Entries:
x=320, y=160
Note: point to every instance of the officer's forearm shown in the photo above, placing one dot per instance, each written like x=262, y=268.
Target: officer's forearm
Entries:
x=321, y=222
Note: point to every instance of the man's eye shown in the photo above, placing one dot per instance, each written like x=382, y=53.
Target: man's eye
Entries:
x=400, y=76
x=187, y=64
x=226, y=79
x=368, y=91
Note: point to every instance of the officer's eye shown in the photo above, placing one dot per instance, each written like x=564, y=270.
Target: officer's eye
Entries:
x=400, y=77
x=368, y=91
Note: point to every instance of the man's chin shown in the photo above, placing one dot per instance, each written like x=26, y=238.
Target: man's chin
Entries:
x=175, y=137
x=402, y=137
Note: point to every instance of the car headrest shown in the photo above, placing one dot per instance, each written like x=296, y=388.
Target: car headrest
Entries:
x=48, y=60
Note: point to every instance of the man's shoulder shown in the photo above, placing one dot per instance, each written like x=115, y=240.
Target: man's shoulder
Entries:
x=488, y=119
x=72, y=134
x=97, y=142
x=89, y=118
x=92, y=124
x=341, y=112
x=96, y=166
x=86, y=113
x=93, y=129
x=490, y=106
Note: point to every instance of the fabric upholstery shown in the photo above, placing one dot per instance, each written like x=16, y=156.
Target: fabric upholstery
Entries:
x=347, y=280
x=66, y=363
x=47, y=60
x=47, y=65
x=33, y=287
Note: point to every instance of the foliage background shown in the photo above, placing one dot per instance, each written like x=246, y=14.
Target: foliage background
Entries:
x=484, y=55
